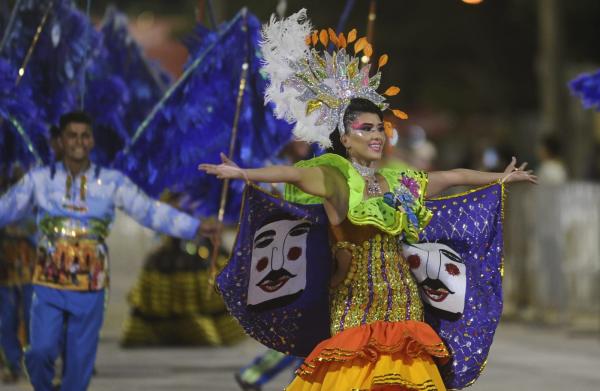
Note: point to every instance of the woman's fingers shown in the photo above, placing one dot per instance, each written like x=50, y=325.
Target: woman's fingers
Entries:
x=528, y=176
x=210, y=169
x=215, y=169
x=511, y=165
x=522, y=166
x=224, y=158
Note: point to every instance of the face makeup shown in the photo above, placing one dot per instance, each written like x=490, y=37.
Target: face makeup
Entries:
x=366, y=138
x=365, y=141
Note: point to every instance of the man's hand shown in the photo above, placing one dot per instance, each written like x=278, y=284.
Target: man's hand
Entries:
x=209, y=228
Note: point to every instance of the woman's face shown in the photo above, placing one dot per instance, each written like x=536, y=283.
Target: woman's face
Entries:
x=365, y=138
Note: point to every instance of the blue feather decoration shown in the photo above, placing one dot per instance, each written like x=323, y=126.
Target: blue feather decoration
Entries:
x=194, y=124
x=18, y=113
x=122, y=87
x=146, y=80
x=68, y=53
x=65, y=47
x=107, y=100
x=587, y=87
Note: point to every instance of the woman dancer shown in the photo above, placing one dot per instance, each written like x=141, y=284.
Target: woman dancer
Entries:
x=379, y=339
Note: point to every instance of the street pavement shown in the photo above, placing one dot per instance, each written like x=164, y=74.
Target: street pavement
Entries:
x=523, y=357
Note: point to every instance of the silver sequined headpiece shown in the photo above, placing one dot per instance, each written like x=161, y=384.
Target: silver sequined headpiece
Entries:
x=313, y=89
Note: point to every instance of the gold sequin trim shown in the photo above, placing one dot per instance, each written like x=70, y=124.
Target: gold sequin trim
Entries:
x=397, y=379
x=371, y=352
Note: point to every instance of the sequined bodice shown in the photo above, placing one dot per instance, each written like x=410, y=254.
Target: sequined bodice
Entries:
x=379, y=285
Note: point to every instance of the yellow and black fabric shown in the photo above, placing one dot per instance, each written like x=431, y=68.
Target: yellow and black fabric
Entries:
x=172, y=304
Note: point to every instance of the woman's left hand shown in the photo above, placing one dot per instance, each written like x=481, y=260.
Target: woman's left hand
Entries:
x=226, y=170
x=518, y=174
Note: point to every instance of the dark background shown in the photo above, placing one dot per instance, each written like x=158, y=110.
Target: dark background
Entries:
x=473, y=77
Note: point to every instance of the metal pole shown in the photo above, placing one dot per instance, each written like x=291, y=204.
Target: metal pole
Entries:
x=232, y=144
x=34, y=42
x=371, y=22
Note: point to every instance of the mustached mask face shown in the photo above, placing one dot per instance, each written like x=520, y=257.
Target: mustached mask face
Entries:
x=441, y=275
x=278, y=266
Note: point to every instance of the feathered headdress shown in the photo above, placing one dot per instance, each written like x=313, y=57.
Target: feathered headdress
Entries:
x=313, y=89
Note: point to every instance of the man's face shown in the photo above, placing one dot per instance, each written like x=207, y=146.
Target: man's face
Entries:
x=278, y=267
x=76, y=141
x=441, y=275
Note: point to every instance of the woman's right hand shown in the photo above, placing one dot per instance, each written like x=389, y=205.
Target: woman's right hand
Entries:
x=226, y=170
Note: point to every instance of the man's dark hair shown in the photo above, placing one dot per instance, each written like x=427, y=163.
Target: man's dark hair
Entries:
x=356, y=107
x=79, y=117
x=54, y=132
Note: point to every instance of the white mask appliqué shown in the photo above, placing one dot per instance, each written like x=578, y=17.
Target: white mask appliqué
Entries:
x=441, y=275
x=278, y=266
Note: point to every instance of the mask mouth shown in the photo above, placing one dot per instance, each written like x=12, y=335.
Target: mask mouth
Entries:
x=273, y=281
x=435, y=290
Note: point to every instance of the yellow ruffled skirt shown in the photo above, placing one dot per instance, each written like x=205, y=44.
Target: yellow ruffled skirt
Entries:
x=390, y=356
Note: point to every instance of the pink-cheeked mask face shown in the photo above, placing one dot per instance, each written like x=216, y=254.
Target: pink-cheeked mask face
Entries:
x=278, y=266
x=441, y=275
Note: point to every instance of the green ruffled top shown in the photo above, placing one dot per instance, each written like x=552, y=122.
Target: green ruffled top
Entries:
x=402, y=211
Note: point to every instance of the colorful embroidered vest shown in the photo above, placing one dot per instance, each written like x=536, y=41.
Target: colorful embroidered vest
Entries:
x=72, y=254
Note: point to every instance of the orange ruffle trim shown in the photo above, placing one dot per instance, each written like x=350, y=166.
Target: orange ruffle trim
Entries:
x=407, y=340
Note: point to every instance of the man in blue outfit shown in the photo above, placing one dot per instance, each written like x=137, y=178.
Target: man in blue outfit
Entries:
x=75, y=202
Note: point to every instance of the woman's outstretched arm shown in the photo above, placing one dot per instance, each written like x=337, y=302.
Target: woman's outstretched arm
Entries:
x=442, y=180
x=310, y=180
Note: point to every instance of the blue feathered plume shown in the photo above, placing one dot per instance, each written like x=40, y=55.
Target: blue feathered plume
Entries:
x=587, y=87
x=106, y=100
x=193, y=124
x=65, y=47
x=22, y=135
x=69, y=53
x=122, y=86
x=146, y=80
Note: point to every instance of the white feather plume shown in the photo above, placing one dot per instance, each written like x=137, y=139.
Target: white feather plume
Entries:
x=283, y=44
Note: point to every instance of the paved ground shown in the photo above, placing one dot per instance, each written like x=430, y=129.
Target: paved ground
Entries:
x=522, y=358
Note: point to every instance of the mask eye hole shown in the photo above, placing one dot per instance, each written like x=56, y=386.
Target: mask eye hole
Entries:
x=300, y=229
x=452, y=269
x=294, y=253
x=264, y=243
x=262, y=264
x=414, y=261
